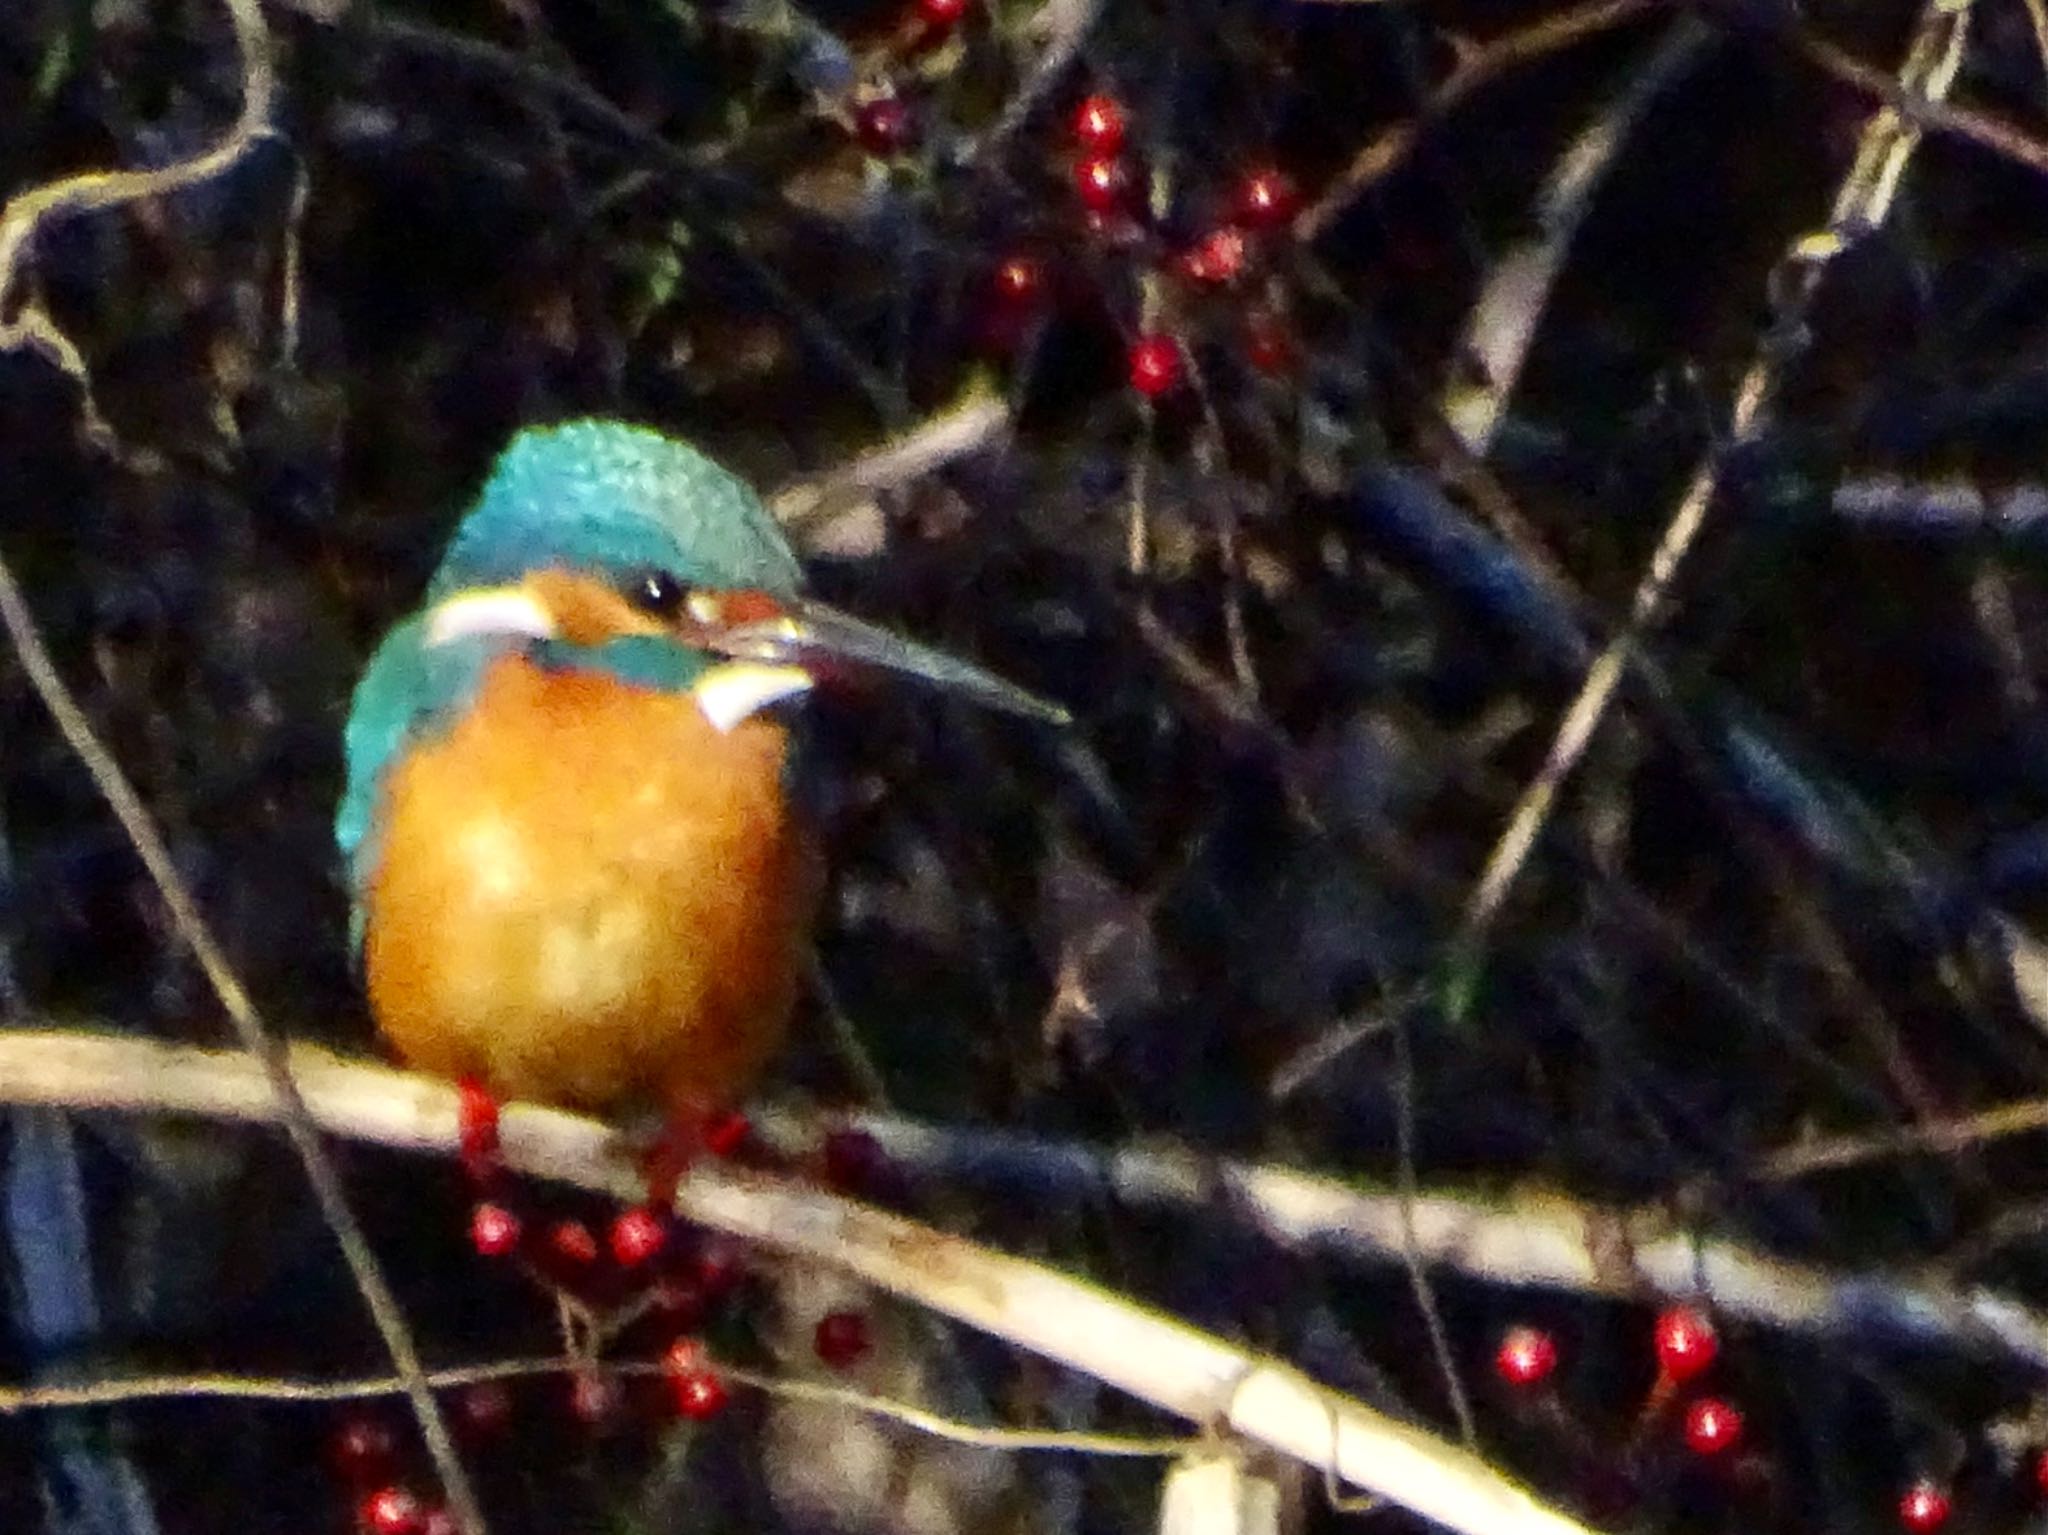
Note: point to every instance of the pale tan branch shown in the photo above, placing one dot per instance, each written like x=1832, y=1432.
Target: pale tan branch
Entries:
x=1178, y=1368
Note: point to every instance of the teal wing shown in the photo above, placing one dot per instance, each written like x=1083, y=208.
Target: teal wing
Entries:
x=409, y=690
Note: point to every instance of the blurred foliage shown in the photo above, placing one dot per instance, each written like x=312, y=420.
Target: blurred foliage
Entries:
x=1778, y=899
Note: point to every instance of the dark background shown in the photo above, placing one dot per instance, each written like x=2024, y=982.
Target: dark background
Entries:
x=1779, y=898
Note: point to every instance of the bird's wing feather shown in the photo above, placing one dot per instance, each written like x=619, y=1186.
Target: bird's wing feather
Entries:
x=408, y=690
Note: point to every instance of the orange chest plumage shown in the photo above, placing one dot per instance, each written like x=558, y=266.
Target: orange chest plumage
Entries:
x=588, y=895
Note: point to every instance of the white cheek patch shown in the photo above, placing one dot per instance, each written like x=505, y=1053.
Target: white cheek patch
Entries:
x=491, y=611
x=731, y=693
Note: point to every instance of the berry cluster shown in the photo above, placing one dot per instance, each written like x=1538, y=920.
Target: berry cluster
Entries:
x=653, y=1280
x=1249, y=214
x=1260, y=206
x=1686, y=1346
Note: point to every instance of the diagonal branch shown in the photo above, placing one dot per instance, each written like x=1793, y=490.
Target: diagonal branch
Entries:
x=1481, y=66
x=1181, y=1369
x=1549, y=1240
x=20, y=221
x=1861, y=204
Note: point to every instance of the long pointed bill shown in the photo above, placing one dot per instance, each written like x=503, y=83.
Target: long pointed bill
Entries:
x=799, y=632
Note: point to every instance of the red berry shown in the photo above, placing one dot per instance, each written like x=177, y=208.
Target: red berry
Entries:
x=636, y=1236
x=719, y=1269
x=485, y=1407
x=1526, y=1356
x=1268, y=345
x=1154, y=365
x=1924, y=1506
x=572, y=1242
x=700, y=1391
x=1020, y=281
x=1101, y=182
x=1218, y=257
x=725, y=1134
x=476, y=1121
x=1712, y=1425
x=593, y=1397
x=700, y=1394
x=493, y=1229
x=841, y=1339
x=363, y=1448
x=882, y=125
x=1686, y=1342
x=392, y=1511
x=1266, y=199
x=2041, y=1471
x=940, y=14
x=1099, y=124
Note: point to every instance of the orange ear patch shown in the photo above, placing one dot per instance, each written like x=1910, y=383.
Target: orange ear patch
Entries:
x=586, y=895
x=587, y=612
x=725, y=610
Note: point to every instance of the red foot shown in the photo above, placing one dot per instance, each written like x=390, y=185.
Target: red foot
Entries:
x=684, y=1137
x=726, y=1135
x=476, y=1119
x=664, y=1163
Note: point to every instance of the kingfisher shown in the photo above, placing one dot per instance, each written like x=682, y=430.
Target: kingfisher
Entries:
x=578, y=871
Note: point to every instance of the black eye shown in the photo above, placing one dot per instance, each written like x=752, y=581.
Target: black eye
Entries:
x=658, y=592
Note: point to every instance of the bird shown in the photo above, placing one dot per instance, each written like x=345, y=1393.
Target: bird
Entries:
x=578, y=871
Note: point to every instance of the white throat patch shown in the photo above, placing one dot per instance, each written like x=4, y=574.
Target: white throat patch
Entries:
x=735, y=691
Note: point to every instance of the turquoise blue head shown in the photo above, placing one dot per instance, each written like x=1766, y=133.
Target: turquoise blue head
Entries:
x=616, y=501
x=626, y=505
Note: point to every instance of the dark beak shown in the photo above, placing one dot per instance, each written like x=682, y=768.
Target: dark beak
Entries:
x=807, y=633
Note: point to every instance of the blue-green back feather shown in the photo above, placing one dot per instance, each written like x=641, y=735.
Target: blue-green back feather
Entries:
x=409, y=690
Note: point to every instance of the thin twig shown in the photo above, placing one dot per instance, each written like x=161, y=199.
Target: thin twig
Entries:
x=20, y=222
x=25, y=215
x=128, y=1391
x=1479, y=67
x=1504, y=317
x=255, y=1034
x=1925, y=108
x=1939, y=1137
x=1066, y=25
x=1861, y=204
x=929, y=446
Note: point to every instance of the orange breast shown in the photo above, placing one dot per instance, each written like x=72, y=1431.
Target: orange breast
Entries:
x=587, y=895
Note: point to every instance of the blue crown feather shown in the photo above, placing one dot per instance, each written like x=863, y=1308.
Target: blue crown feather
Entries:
x=603, y=495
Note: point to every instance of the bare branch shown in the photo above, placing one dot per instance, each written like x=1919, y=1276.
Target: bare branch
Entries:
x=1480, y=67
x=1861, y=204
x=1178, y=1368
x=20, y=221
